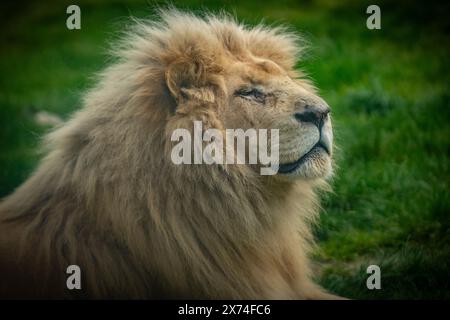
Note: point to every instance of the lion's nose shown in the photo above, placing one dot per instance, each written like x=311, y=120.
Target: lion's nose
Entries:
x=313, y=114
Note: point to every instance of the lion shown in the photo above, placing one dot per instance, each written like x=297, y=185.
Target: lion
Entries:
x=108, y=198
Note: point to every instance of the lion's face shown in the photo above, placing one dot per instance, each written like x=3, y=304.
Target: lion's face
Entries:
x=260, y=94
x=249, y=81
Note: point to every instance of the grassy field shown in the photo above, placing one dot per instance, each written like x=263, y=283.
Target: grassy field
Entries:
x=388, y=88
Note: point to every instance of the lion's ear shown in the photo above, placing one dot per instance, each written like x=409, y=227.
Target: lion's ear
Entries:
x=191, y=79
x=182, y=75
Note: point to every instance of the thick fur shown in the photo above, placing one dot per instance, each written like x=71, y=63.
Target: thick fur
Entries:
x=108, y=199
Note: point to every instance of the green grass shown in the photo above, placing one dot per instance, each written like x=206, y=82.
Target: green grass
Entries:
x=389, y=90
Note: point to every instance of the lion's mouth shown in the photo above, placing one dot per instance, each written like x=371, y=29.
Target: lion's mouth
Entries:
x=318, y=148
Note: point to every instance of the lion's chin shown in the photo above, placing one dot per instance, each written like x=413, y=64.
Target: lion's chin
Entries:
x=314, y=164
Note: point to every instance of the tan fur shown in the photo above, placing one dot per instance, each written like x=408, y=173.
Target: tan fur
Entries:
x=108, y=198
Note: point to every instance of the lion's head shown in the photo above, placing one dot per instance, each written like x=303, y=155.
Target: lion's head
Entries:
x=239, y=78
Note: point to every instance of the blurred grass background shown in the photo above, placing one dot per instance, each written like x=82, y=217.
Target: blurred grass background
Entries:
x=388, y=88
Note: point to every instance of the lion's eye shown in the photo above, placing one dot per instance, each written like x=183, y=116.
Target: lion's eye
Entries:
x=251, y=93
